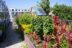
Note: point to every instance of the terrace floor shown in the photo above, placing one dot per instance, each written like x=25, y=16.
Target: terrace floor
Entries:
x=11, y=37
x=13, y=40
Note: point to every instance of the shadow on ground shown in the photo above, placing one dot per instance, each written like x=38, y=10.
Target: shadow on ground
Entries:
x=11, y=37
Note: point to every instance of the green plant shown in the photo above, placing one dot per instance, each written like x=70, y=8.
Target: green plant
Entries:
x=64, y=43
x=38, y=25
x=51, y=43
x=42, y=25
x=47, y=25
x=25, y=19
x=63, y=11
x=45, y=6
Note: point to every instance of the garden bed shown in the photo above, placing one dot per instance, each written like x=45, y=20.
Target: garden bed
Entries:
x=45, y=31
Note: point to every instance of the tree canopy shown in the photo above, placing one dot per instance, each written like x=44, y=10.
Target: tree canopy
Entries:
x=63, y=11
x=44, y=4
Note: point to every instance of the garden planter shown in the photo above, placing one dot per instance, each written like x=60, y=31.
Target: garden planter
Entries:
x=44, y=26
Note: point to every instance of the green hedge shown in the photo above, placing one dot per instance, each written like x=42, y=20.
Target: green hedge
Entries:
x=63, y=11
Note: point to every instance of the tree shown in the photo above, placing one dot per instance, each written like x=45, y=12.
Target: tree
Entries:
x=44, y=4
x=1, y=15
x=63, y=11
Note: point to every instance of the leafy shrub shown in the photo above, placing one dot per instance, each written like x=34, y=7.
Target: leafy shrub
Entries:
x=40, y=24
x=37, y=24
x=63, y=11
x=43, y=24
x=25, y=19
x=64, y=43
x=47, y=25
x=51, y=43
x=26, y=28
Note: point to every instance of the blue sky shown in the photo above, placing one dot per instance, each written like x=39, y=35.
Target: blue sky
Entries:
x=25, y=4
